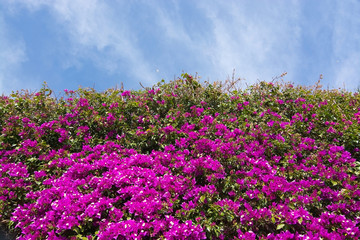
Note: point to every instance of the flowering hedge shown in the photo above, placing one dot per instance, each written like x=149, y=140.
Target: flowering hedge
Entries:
x=181, y=160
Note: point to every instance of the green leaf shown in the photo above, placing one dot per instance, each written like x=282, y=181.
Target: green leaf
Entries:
x=300, y=220
x=280, y=226
x=81, y=237
x=11, y=223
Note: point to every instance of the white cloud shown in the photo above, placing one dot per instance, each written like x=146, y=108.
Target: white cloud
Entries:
x=98, y=33
x=346, y=44
x=12, y=55
x=348, y=74
x=260, y=41
x=171, y=22
x=178, y=46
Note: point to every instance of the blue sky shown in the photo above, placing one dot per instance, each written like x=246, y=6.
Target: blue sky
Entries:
x=99, y=44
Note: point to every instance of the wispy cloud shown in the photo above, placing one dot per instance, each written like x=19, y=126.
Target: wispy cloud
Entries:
x=346, y=44
x=174, y=39
x=146, y=40
x=258, y=40
x=99, y=33
x=171, y=22
x=12, y=55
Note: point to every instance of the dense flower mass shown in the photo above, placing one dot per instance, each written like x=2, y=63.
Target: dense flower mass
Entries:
x=181, y=160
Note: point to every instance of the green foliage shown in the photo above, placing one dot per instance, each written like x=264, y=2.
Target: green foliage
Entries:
x=275, y=120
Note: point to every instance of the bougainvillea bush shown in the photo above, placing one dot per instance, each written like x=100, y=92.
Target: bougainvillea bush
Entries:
x=181, y=160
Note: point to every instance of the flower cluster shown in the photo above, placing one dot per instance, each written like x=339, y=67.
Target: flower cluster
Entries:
x=181, y=161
